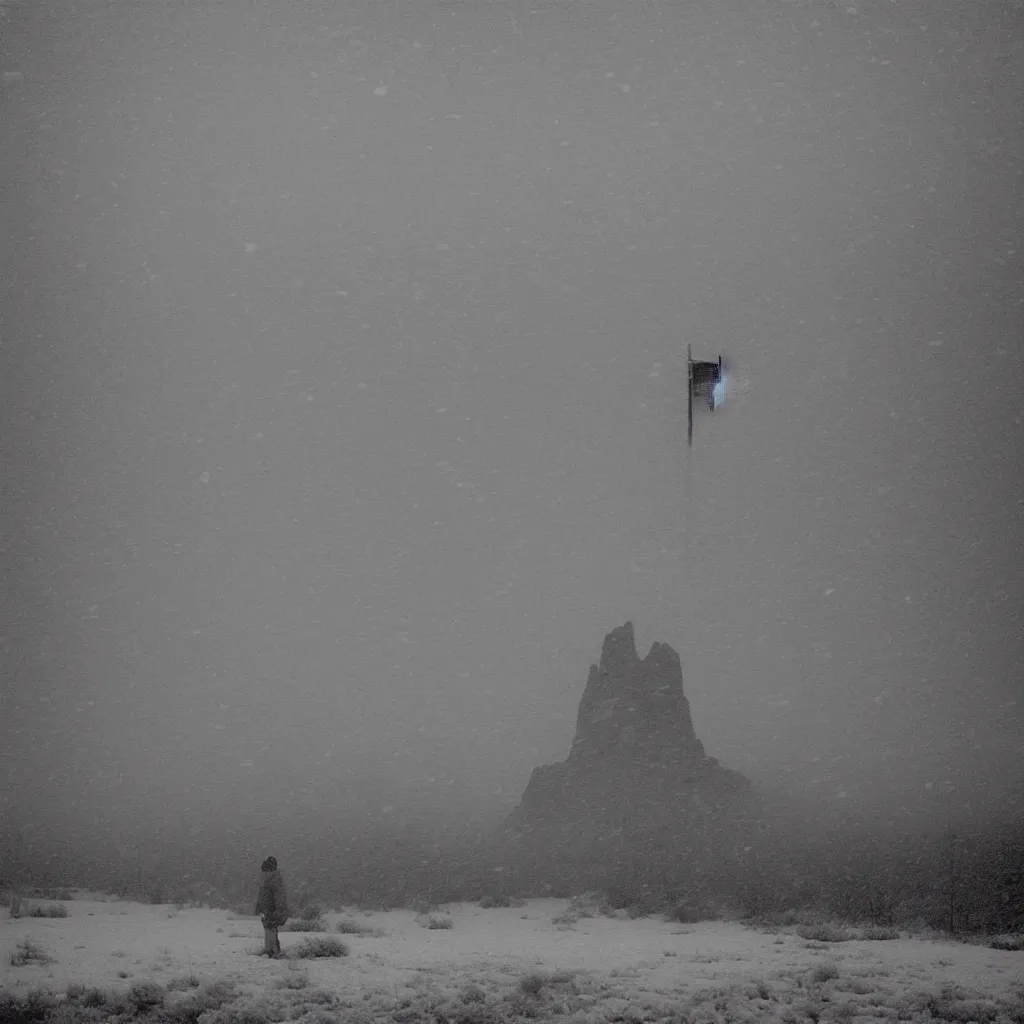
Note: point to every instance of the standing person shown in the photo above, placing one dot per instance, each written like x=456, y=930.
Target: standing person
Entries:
x=272, y=904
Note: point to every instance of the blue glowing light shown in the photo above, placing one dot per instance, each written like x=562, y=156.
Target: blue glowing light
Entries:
x=718, y=392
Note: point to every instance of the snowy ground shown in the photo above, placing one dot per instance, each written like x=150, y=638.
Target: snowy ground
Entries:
x=644, y=969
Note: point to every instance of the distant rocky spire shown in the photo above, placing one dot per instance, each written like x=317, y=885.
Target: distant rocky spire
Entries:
x=635, y=765
x=631, y=706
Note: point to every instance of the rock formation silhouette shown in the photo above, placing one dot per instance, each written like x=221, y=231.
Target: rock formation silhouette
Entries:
x=637, y=784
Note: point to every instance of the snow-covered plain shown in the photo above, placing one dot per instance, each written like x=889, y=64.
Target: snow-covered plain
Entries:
x=597, y=969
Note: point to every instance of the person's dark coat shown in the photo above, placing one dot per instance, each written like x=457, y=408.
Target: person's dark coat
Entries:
x=272, y=903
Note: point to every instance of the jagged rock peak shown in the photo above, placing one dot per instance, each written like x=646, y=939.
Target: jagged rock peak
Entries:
x=662, y=654
x=618, y=651
x=630, y=704
x=619, y=656
x=636, y=762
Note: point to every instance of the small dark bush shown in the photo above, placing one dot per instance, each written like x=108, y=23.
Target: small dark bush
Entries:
x=74, y=1013
x=961, y=1010
x=29, y=952
x=118, y=1002
x=40, y=999
x=49, y=910
x=588, y=904
x=311, y=913
x=532, y=983
x=813, y=1010
x=321, y=946
x=440, y=924
x=33, y=1007
x=1012, y=943
x=473, y=994
x=522, y=1005
x=824, y=972
x=208, y=999
x=349, y=926
x=214, y=994
x=691, y=913
x=495, y=900
x=54, y=895
x=146, y=994
x=184, y=1012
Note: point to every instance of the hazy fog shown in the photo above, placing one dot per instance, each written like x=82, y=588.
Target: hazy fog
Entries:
x=343, y=394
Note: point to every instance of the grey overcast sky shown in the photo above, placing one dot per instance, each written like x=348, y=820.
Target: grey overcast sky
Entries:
x=343, y=391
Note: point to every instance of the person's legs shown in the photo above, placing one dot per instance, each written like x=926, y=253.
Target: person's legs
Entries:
x=277, y=943
x=271, y=943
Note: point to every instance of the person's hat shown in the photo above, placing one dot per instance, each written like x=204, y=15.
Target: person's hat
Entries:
x=270, y=864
